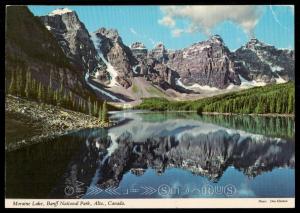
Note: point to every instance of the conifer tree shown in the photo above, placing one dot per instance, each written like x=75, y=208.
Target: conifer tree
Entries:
x=40, y=92
x=100, y=114
x=90, y=106
x=278, y=106
x=12, y=86
x=17, y=78
x=95, y=107
x=291, y=102
x=104, y=112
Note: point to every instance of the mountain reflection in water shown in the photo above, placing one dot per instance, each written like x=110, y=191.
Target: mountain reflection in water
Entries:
x=138, y=145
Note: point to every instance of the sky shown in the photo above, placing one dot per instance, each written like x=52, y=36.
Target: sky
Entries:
x=178, y=27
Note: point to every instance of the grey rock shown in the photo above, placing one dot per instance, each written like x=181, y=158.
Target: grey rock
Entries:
x=159, y=53
x=74, y=40
x=206, y=63
x=259, y=61
x=117, y=54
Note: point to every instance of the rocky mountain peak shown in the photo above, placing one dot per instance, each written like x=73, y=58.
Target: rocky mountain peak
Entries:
x=139, y=51
x=117, y=54
x=254, y=43
x=216, y=39
x=60, y=11
x=111, y=34
x=159, y=53
x=264, y=62
x=137, y=45
x=205, y=63
x=73, y=38
x=160, y=46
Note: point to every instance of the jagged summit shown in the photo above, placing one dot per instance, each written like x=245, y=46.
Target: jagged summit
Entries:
x=160, y=45
x=111, y=34
x=137, y=45
x=73, y=38
x=264, y=62
x=216, y=38
x=205, y=63
x=159, y=52
x=254, y=42
x=60, y=11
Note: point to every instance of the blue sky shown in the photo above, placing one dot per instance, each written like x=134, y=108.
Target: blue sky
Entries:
x=273, y=25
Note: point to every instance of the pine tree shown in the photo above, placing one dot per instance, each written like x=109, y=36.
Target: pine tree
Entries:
x=65, y=100
x=12, y=85
x=272, y=105
x=55, y=97
x=104, y=112
x=17, y=77
x=259, y=108
x=278, y=106
x=71, y=100
x=100, y=114
x=40, y=92
x=50, y=79
x=291, y=102
x=95, y=107
x=90, y=106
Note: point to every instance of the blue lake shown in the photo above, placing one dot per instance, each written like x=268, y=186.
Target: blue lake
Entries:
x=160, y=155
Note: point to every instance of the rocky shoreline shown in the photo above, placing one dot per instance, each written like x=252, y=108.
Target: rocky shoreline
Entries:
x=29, y=122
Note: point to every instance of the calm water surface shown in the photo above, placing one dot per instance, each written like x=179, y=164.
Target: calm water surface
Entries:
x=160, y=155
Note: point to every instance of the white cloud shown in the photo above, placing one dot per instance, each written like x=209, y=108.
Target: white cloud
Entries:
x=204, y=18
x=177, y=32
x=133, y=31
x=167, y=21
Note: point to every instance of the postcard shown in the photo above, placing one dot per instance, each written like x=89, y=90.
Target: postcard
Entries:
x=149, y=106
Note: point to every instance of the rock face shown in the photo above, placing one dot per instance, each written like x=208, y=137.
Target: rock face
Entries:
x=140, y=52
x=159, y=53
x=73, y=38
x=160, y=74
x=152, y=65
x=117, y=54
x=259, y=61
x=39, y=53
x=205, y=63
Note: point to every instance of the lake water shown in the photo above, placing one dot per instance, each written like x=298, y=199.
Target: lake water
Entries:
x=161, y=155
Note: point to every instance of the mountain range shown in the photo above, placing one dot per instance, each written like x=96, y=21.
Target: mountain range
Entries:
x=121, y=73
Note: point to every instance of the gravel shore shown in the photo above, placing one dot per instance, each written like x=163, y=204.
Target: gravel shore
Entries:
x=28, y=122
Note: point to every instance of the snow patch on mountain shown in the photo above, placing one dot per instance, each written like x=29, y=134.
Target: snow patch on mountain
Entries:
x=48, y=27
x=195, y=86
x=253, y=83
x=60, y=11
x=111, y=70
x=100, y=90
x=275, y=68
x=134, y=69
x=280, y=80
x=194, y=49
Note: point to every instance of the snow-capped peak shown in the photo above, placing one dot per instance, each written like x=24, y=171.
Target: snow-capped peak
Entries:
x=60, y=11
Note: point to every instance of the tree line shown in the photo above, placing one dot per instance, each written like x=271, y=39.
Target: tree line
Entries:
x=24, y=85
x=274, y=98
